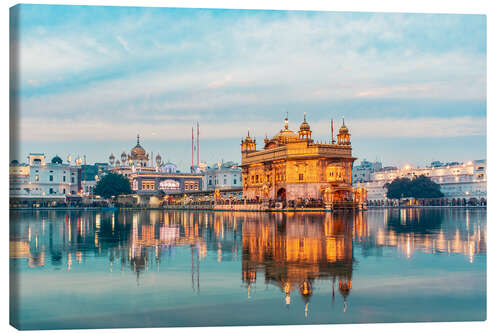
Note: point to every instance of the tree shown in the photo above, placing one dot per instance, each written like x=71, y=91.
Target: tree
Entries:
x=398, y=188
x=419, y=187
x=112, y=184
x=424, y=187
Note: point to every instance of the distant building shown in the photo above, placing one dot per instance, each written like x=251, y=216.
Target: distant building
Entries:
x=221, y=176
x=363, y=172
x=153, y=177
x=137, y=161
x=43, y=180
x=90, y=175
x=461, y=183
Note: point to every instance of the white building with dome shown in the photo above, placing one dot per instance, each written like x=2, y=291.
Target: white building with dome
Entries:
x=148, y=176
x=41, y=181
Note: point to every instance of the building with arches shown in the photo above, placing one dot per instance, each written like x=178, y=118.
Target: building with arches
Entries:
x=292, y=166
x=462, y=184
x=152, y=176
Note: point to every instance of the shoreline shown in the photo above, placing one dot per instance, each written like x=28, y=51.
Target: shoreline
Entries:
x=272, y=210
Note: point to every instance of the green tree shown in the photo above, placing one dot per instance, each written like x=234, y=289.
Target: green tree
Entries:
x=419, y=187
x=398, y=188
x=112, y=184
x=423, y=187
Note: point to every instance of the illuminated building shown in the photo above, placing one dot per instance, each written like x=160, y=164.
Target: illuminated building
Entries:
x=293, y=166
x=461, y=183
x=153, y=177
x=138, y=160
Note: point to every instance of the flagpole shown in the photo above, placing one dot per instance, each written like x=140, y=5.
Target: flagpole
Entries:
x=197, y=144
x=192, y=149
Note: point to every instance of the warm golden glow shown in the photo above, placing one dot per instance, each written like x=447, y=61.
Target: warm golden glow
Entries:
x=293, y=167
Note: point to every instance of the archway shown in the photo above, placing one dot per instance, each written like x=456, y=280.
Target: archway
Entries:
x=281, y=194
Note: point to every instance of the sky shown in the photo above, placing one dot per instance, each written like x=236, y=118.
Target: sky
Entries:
x=86, y=80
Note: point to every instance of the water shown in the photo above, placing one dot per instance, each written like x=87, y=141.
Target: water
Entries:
x=78, y=269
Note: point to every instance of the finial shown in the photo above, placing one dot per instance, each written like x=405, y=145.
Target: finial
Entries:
x=248, y=134
x=137, y=138
x=286, y=121
x=343, y=121
x=304, y=116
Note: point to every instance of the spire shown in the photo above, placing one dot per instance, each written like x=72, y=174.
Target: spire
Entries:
x=286, y=121
x=304, y=117
x=138, y=139
x=343, y=121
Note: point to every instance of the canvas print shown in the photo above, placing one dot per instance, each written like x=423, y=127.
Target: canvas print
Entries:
x=211, y=167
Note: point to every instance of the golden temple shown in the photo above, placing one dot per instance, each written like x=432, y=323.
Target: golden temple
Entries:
x=292, y=166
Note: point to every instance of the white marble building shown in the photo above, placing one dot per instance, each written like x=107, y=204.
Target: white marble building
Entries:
x=41, y=179
x=221, y=176
x=460, y=182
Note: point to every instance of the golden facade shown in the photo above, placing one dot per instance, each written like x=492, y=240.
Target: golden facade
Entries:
x=293, y=166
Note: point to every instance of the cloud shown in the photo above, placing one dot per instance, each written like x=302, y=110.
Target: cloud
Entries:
x=178, y=129
x=228, y=67
x=123, y=43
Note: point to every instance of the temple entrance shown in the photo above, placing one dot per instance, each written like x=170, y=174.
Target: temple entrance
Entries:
x=281, y=195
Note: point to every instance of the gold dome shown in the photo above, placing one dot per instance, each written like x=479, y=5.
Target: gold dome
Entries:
x=138, y=152
x=285, y=135
x=305, y=126
x=343, y=129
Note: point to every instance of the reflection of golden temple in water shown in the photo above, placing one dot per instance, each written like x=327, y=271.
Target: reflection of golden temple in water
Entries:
x=292, y=250
x=295, y=251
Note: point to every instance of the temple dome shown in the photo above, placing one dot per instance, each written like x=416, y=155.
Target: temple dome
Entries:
x=138, y=153
x=285, y=136
x=343, y=129
x=305, y=126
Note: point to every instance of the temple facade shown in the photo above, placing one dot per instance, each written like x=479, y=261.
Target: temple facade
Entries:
x=152, y=177
x=292, y=166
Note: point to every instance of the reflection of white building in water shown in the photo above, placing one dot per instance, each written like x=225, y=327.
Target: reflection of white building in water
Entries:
x=461, y=183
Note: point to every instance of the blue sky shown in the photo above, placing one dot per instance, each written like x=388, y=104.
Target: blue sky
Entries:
x=412, y=87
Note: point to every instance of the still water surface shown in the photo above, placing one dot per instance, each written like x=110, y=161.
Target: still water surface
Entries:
x=88, y=269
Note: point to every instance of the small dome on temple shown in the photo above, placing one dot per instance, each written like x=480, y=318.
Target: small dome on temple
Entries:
x=305, y=126
x=343, y=129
